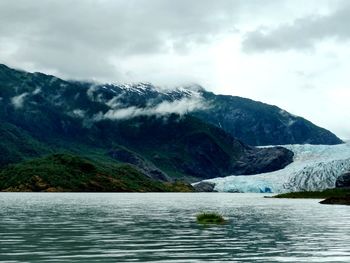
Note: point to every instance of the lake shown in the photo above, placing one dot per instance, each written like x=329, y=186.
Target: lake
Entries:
x=161, y=227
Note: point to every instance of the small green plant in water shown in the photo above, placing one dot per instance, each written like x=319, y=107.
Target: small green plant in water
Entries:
x=210, y=218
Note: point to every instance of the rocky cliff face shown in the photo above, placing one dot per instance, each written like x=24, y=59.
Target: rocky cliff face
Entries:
x=343, y=181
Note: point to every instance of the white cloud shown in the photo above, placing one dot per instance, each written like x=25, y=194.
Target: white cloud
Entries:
x=17, y=101
x=114, y=103
x=164, y=108
x=36, y=91
x=91, y=93
x=78, y=113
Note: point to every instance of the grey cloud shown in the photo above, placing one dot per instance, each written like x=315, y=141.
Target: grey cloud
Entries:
x=303, y=33
x=115, y=40
x=78, y=38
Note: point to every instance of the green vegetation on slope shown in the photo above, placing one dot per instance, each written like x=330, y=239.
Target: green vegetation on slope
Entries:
x=257, y=123
x=65, y=172
x=184, y=146
x=54, y=115
x=17, y=145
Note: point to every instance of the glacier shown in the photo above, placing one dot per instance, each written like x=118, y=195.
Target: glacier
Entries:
x=315, y=167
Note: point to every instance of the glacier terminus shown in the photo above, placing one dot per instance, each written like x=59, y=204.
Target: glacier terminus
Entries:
x=315, y=167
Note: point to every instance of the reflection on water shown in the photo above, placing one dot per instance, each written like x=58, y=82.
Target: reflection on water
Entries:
x=109, y=227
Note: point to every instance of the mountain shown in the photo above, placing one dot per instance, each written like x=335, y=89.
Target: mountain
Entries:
x=16, y=143
x=69, y=173
x=315, y=168
x=252, y=122
x=257, y=123
x=149, y=129
x=187, y=146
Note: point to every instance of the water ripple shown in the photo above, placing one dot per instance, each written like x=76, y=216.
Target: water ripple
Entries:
x=161, y=228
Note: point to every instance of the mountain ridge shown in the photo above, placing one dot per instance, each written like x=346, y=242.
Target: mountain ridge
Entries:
x=156, y=133
x=253, y=122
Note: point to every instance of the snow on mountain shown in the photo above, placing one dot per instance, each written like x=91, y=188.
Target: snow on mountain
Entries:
x=142, y=88
x=254, y=123
x=315, y=167
x=134, y=93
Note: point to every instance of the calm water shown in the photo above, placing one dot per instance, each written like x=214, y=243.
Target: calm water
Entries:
x=76, y=227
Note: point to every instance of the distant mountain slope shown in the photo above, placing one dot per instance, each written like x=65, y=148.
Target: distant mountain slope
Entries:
x=139, y=125
x=257, y=123
x=16, y=144
x=189, y=146
x=252, y=122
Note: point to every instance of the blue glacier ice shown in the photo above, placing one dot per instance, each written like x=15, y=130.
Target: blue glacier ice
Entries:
x=315, y=167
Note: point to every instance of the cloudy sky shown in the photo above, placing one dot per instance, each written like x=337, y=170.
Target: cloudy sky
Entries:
x=294, y=54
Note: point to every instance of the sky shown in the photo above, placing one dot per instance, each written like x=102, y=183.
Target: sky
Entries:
x=293, y=54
